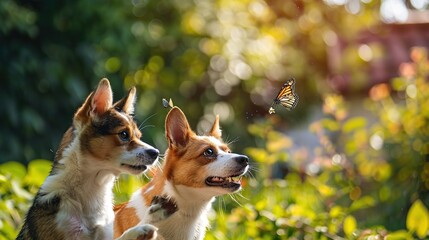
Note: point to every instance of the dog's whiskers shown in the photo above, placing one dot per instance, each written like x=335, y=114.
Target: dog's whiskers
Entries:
x=251, y=175
x=145, y=120
x=235, y=200
x=116, y=185
x=253, y=168
x=144, y=174
x=141, y=128
x=228, y=141
x=221, y=206
x=242, y=196
x=159, y=166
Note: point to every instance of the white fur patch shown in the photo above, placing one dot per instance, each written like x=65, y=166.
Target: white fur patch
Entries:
x=149, y=189
x=124, y=117
x=139, y=204
x=223, y=164
x=190, y=221
x=85, y=189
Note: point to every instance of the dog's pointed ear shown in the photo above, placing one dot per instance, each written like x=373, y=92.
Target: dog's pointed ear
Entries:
x=177, y=129
x=215, y=131
x=98, y=102
x=127, y=103
x=102, y=98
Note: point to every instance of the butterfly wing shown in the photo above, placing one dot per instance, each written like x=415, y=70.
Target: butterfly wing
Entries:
x=288, y=88
x=289, y=101
x=287, y=96
x=165, y=103
x=170, y=103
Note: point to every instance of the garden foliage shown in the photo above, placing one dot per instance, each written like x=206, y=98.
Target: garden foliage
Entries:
x=369, y=177
x=373, y=176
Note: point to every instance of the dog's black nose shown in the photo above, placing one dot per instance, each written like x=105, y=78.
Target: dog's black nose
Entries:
x=153, y=153
x=243, y=160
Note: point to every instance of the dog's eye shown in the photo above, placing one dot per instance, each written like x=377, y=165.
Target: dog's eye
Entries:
x=209, y=152
x=124, y=136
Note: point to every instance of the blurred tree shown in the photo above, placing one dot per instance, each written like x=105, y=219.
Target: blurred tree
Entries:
x=211, y=57
x=52, y=54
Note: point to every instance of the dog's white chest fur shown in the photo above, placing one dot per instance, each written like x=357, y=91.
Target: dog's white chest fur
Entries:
x=189, y=222
x=86, y=200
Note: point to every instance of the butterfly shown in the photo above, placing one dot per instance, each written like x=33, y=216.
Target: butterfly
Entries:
x=286, y=97
x=167, y=104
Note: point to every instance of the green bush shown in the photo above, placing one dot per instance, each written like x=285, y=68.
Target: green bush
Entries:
x=18, y=185
x=373, y=179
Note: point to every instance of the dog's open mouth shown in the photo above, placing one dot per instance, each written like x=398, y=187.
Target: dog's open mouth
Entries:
x=135, y=168
x=233, y=182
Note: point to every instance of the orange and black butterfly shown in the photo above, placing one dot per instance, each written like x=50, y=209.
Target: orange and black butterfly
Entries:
x=286, y=97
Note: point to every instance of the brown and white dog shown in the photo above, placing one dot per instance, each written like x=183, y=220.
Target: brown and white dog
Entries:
x=76, y=199
x=196, y=169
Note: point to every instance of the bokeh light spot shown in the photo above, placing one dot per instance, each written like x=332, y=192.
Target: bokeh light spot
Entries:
x=420, y=4
x=222, y=87
x=240, y=69
x=411, y=91
x=365, y=52
x=376, y=141
x=393, y=11
x=112, y=64
x=156, y=63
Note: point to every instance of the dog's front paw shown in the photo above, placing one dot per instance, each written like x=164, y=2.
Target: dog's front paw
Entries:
x=140, y=232
x=161, y=208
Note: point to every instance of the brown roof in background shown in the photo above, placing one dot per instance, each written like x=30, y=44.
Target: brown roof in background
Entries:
x=394, y=41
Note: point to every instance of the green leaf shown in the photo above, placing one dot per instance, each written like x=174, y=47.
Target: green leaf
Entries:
x=330, y=124
x=399, y=235
x=336, y=211
x=38, y=170
x=349, y=225
x=399, y=84
x=15, y=169
x=258, y=154
x=418, y=219
x=354, y=123
x=19, y=191
x=362, y=203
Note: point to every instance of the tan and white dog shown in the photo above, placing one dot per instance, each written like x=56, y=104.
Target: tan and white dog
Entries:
x=196, y=169
x=76, y=199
